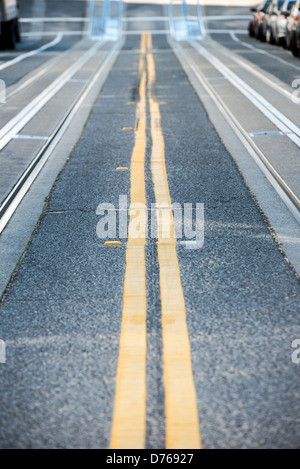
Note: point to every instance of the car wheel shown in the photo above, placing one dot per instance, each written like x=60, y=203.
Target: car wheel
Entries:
x=287, y=42
x=17, y=30
x=251, y=30
x=8, y=36
x=272, y=38
x=294, y=48
x=261, y=34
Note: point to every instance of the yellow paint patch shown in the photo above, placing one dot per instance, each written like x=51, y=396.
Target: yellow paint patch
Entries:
x=129, y=419
x=112, y=243
x=127, y=128
x=182, y=424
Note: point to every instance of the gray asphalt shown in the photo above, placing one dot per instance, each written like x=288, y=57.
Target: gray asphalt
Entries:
x=61, y=318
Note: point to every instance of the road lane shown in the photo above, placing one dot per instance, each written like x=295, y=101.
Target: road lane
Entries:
x=129, y=423
x=62, y=317
x=182, y=422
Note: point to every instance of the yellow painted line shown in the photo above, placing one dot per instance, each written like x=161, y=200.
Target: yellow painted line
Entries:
x=127, y=128
x=129, y=419
x=182, y=421
x=122, y=169
x=112, y=243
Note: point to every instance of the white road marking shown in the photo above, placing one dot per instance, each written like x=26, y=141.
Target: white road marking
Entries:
x=145, y=18
x=253, y=69
x=32, y=53
x=264, y=106
x=54, y=20
x=155, y=31
x=261, y=51
x=37, y=163
x=53, y=33
x=227, y=31
x=15, y=125
x=31, y=137
x=283, y=190
x=222, y=18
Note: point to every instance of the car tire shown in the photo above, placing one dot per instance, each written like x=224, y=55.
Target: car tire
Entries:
x=287, y=42
x=8, y=35
x=295, y=51
x=294, y=48
x=261, y=34
x=17, y=30
x=272, y=38
x=251, y=30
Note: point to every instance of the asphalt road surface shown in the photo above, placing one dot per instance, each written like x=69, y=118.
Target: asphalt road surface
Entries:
x=151, y=340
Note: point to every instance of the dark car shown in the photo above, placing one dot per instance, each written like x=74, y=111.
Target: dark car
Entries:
x=291, y=27
x=296, y=44
x=255, y=23
x=9, y=29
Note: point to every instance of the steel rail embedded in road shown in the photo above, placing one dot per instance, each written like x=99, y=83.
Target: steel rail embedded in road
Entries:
x=40, y=71
x=279, y=184
x=261, y=51
x=17, y=123
x=32, y=53
x=14, y=198
x=274, y=115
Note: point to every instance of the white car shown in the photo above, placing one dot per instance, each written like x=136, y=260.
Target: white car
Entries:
x=270, y=20
x=291, y=26
x=282, y=20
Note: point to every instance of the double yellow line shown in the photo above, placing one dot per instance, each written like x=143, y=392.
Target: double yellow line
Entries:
x=129, y=420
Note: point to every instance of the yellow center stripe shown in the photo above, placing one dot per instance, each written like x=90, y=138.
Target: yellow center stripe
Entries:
x=182, y=423
x=129, y=420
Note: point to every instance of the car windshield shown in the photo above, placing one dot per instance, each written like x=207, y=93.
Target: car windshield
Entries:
x=280, y=3
x=289, y=5
x=265, y=5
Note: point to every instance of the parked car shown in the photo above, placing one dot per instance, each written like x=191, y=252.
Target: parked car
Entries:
x=269, y=22
x=291, y=26
x=255, y=23
x=296, y=44
x=280, y=28
x=9, y=24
